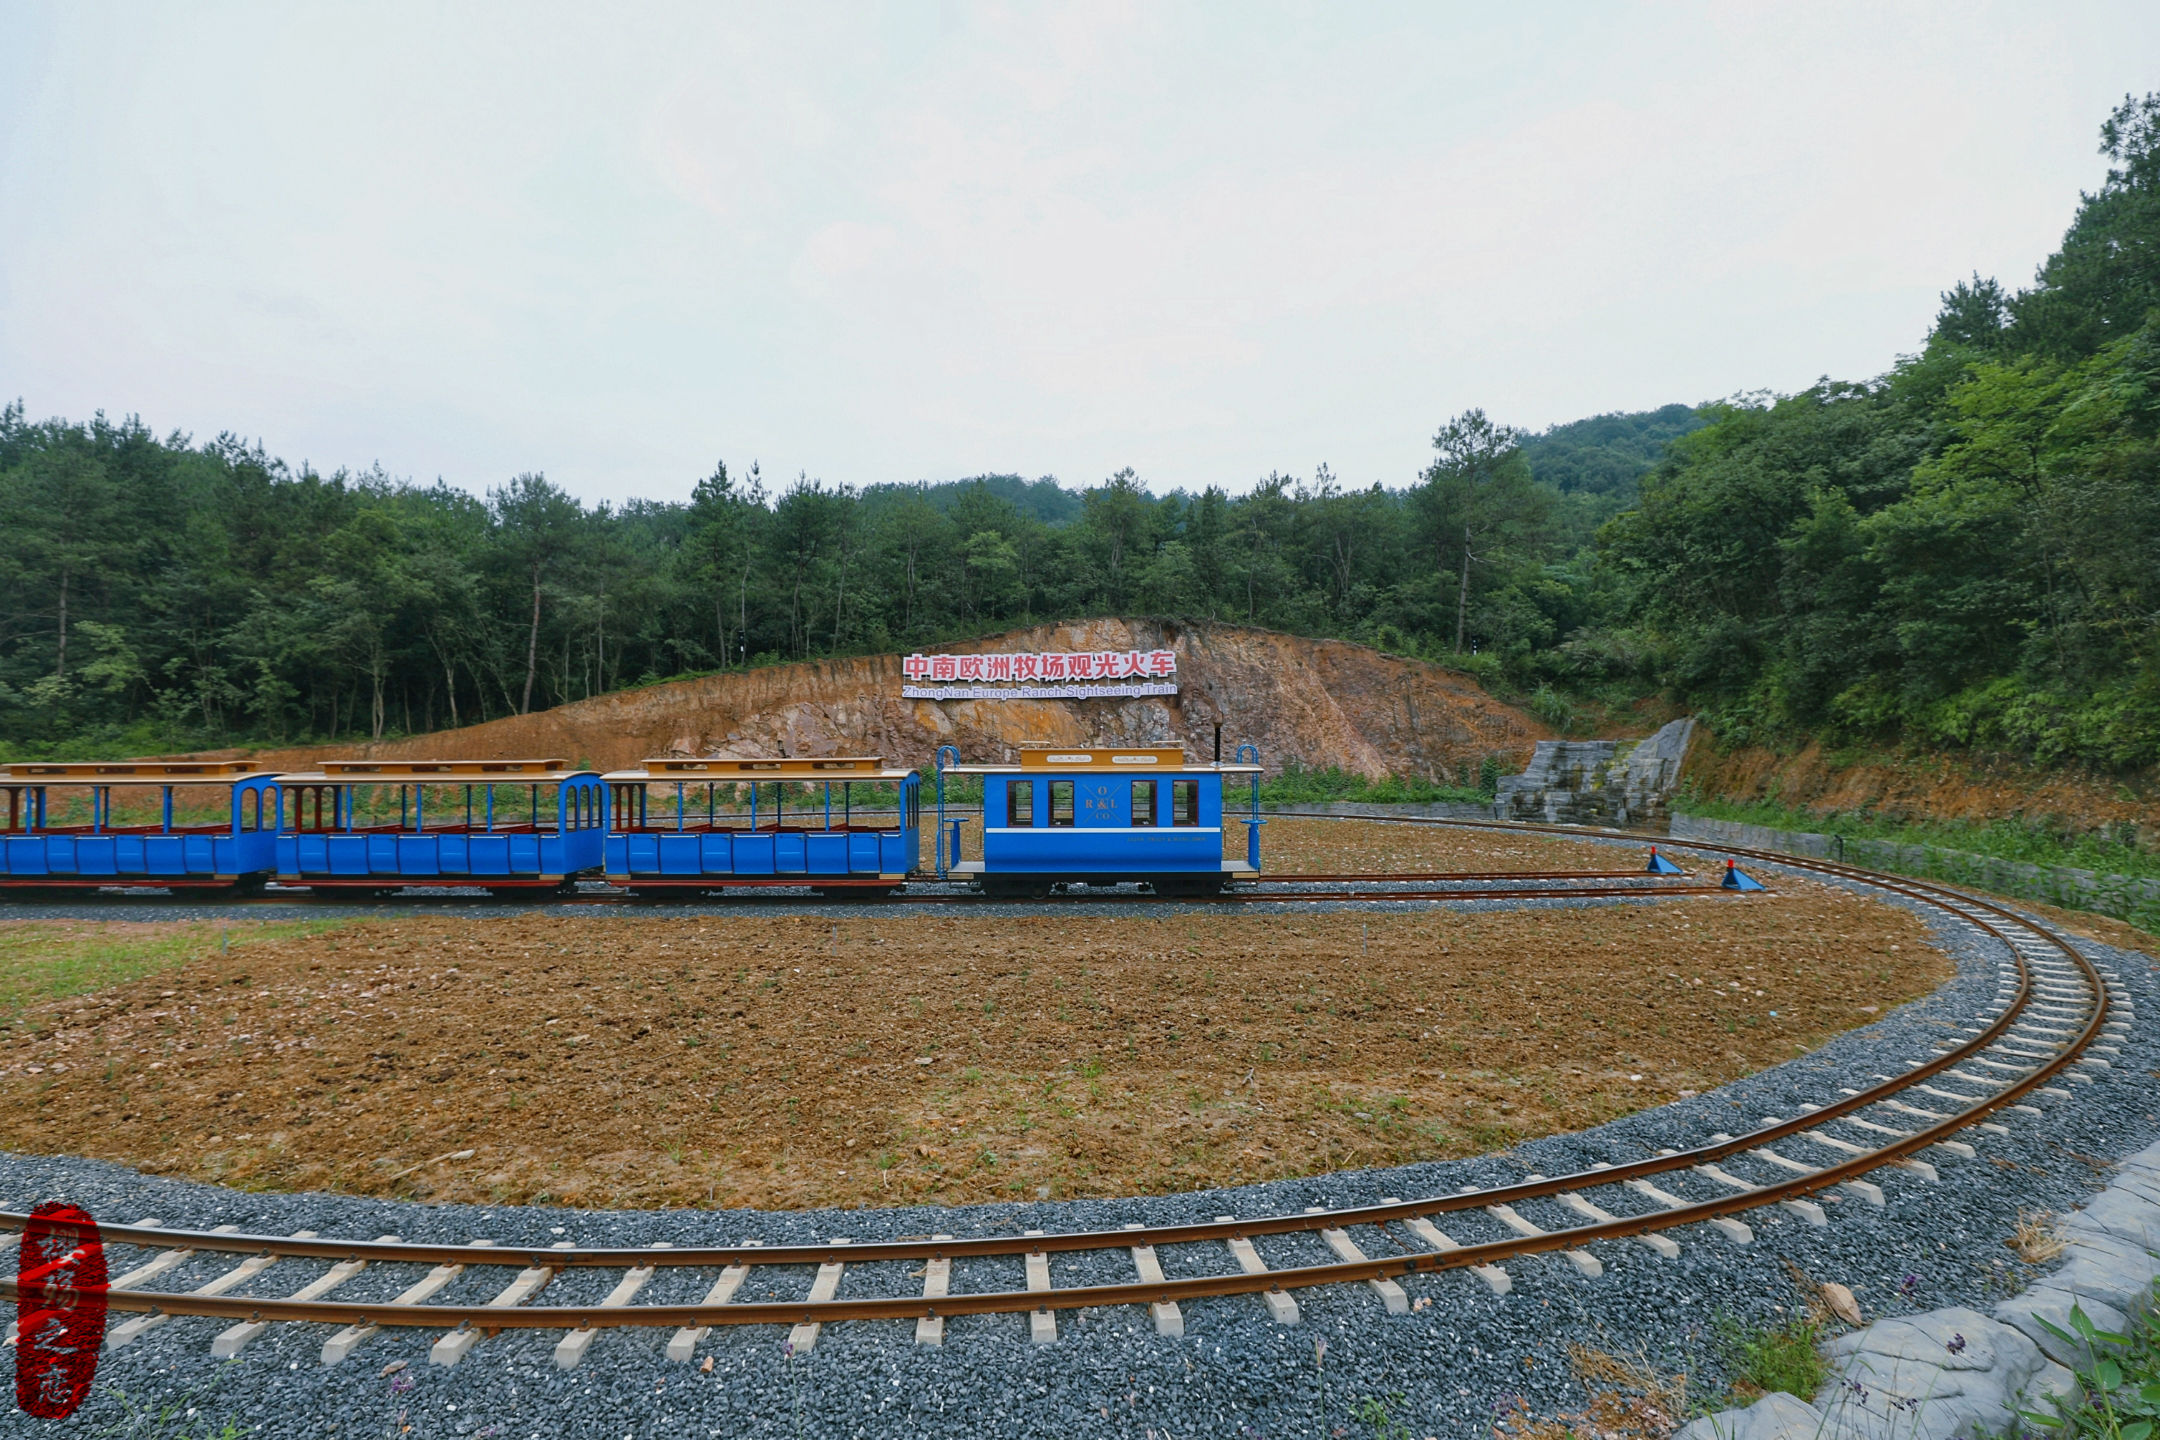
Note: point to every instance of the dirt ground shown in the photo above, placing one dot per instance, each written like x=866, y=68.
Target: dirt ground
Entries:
x=741, y=1058
x=1291, y=846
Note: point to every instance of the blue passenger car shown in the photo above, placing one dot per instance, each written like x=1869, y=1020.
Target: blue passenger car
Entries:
x=507, y=825
x=690, y=825
x=186, y=825
x=1105, y=817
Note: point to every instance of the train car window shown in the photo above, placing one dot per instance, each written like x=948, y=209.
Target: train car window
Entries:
x=1143, y=802
x=1020, y=803
x=1184, y=802
x=1061, y=802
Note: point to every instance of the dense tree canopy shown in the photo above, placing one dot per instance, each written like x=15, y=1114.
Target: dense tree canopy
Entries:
x=1964, y=551
x=160, y=591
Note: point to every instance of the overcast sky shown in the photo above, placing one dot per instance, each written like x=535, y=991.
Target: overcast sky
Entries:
x=929, y=240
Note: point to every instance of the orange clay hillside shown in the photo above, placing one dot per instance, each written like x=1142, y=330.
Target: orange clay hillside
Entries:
x=1319, y=702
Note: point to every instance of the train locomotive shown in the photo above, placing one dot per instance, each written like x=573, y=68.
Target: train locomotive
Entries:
x=1057, y=818
x=1102, y=816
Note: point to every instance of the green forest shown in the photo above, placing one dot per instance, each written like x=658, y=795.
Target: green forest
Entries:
x=1963, y=552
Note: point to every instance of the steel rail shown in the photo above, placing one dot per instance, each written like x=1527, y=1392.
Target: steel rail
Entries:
x=1570, y=1237
x=1639, y=884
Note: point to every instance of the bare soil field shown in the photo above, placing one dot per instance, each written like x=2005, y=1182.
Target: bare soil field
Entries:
x=1290, y=846
x=749, y=1058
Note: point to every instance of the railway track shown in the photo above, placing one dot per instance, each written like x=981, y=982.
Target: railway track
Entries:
x=2047, y=1026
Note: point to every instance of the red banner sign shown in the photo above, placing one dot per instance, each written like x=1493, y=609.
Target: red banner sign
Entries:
x=1036, y=668
x=59, y=1310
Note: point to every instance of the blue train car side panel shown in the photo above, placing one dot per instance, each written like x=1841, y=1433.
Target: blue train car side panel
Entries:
x=27, y=855
x=812, y=854
x=94, y=855
x=754, y=855
x=1080, y=852
x=825, y=854
x=416, y=855
x=680, y=855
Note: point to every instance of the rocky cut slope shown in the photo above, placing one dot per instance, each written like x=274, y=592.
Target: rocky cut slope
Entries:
x=1318, y=702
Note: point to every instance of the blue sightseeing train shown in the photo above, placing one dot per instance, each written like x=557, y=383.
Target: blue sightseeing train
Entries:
x=1102, y=817
x=845, y=825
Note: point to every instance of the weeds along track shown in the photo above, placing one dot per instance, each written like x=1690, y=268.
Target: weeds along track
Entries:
x=2047, y=1025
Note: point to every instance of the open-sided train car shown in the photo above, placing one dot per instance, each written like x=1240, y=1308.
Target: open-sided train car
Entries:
x=506, y=825
x=1103, y=816
x=679, y=825
x=196, y=825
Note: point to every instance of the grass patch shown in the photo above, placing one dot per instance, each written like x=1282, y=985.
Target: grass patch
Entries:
x=1978, y=855
x=1763, y=1358
x=2118, y=1393
x=1296, y=785
x=49, y=959
x=2109, y=853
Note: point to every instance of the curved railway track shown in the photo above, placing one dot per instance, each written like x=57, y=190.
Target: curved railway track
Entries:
x=2043, y=1026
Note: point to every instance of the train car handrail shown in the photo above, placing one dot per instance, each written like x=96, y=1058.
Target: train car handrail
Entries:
x=938, y=844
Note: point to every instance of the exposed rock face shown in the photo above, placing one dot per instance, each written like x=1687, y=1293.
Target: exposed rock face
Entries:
x=1320, y=702
x=1936, y=785
x=1599, y=782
